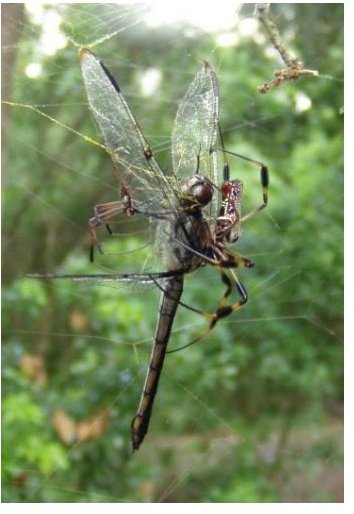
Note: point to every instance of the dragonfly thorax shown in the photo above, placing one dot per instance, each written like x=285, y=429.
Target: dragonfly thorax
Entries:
x=197, y=191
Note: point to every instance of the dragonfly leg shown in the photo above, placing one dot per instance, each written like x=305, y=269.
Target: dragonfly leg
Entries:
x=222, y=258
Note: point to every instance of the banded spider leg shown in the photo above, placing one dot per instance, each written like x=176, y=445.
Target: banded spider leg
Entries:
x=104, y=212
x=227, y=230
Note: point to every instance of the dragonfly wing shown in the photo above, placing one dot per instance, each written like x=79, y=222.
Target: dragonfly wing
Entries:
x=132, y=157
x=130, y=281
x=195, y=132
x=134, y=282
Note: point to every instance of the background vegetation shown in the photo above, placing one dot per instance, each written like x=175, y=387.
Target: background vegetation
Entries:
x=254, y=412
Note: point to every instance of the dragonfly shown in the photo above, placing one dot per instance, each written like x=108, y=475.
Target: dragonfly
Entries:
x=194, y=209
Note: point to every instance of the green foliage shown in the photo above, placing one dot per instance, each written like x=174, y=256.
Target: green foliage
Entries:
x=253, y=412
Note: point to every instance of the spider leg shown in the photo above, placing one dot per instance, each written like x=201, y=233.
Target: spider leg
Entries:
x=105, y=211
x=263, y=171
x=222, y=311
x=225, y=310
x=227, y=282
x=265, y=184
x=102, y=213
x=231, y=259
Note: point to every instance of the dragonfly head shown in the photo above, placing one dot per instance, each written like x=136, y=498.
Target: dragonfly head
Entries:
x=197, y=190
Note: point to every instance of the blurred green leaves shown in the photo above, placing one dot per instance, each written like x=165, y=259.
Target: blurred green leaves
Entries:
x=253, y=412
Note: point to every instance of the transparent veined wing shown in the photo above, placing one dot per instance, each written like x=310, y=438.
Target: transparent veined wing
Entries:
x=134, y=282
x=132, y=157
x=195, y=132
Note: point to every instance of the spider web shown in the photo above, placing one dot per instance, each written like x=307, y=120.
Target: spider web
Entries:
x=76, y=356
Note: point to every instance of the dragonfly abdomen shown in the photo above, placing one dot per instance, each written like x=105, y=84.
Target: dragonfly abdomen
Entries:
x=168, y=304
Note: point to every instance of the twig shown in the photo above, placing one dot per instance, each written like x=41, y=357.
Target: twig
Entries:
x=294, y=67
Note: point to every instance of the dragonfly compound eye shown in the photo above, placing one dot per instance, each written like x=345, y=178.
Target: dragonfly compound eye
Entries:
x=198, y=189
x=202, y=192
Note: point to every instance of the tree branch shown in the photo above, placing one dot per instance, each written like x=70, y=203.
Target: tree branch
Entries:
x=294, y=67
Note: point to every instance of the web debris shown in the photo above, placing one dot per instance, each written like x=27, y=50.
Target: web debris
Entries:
x=294, y=67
